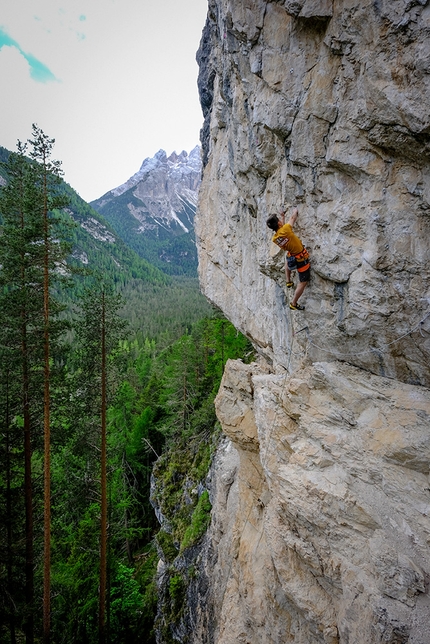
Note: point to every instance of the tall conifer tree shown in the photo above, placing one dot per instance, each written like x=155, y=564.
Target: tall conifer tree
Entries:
x=47, y=179
x=20, y=278
x=99, y=332
x=30, y=255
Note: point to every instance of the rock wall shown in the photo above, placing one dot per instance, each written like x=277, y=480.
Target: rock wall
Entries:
x=322, y=533
x=324, y=105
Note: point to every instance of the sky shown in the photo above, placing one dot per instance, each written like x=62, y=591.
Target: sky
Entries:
x=112, y=81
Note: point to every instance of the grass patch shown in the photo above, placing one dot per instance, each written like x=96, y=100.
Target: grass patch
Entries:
x=200, y=520
x=177, y=595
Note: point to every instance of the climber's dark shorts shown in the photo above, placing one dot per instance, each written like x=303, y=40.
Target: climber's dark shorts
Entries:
x=303, y=268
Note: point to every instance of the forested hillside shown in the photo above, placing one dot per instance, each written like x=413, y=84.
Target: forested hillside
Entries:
x=107, y=366
x=94, y=244
x=172, y=253
x=155, y=303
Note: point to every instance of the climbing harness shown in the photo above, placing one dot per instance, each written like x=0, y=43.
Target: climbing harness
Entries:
x=301, y=257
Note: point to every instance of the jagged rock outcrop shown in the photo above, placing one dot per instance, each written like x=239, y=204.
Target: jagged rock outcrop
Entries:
x=323, y=534
x=330, y=541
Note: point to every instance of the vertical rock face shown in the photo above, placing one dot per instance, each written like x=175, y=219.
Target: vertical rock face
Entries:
x=330, y=538
x=324, y=105
x=323, y=534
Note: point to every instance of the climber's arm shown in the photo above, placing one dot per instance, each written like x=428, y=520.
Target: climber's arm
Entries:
x=292, y=219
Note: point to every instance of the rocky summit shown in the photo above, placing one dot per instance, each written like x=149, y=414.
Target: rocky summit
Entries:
x=156, y=207
x=320, y=527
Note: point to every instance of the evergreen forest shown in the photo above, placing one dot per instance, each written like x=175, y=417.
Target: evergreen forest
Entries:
x=108, y=372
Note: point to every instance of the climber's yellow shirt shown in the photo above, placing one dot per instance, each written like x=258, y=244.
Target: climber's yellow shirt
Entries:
x=287, y=240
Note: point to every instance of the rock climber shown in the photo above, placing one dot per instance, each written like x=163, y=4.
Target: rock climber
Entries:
x=297, y=255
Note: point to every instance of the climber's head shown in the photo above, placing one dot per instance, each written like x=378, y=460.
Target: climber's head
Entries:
x=273, y=222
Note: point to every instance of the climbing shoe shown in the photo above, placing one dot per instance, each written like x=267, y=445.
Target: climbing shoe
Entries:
x=296, y=307
x=290, y=284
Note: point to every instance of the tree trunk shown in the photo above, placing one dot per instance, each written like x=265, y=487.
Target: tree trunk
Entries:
x=103, y=525
x=9, y=520
x=28, y=489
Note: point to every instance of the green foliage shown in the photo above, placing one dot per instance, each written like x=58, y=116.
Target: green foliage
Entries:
x=75, y=576
x=166, y=543
x=146, y=570
x=188, y=375
x=125, y=604
x=164, y=372
x=180, y=390
x=94, y=241
x=32, y=250
x=200, y=520
x=4, y=156
x=203, y=457
x=176, y=592
x=156, y=305
x=75, y=582
x=164, y=312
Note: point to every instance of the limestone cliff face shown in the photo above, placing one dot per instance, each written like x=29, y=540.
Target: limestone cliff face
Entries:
x=324, y=105
x=321, y=531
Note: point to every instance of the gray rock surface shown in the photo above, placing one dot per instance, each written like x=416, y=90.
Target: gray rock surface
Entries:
x=324, y=105
x=329, y=541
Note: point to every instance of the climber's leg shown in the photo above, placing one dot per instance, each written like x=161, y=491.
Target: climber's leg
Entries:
x=299, y=290
x=290, y=264
x=304, y=277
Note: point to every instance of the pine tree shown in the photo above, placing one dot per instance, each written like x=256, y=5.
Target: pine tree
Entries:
x=30, y=256
x=98, y=335
x=47, y=174
x=21, y=304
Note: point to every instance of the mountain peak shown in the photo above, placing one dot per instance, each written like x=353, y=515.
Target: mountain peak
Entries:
x=159, y=159
x=173, y=158
x=157, y=205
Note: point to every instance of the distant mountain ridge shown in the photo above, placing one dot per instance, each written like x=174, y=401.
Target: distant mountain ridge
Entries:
x=153, y=212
